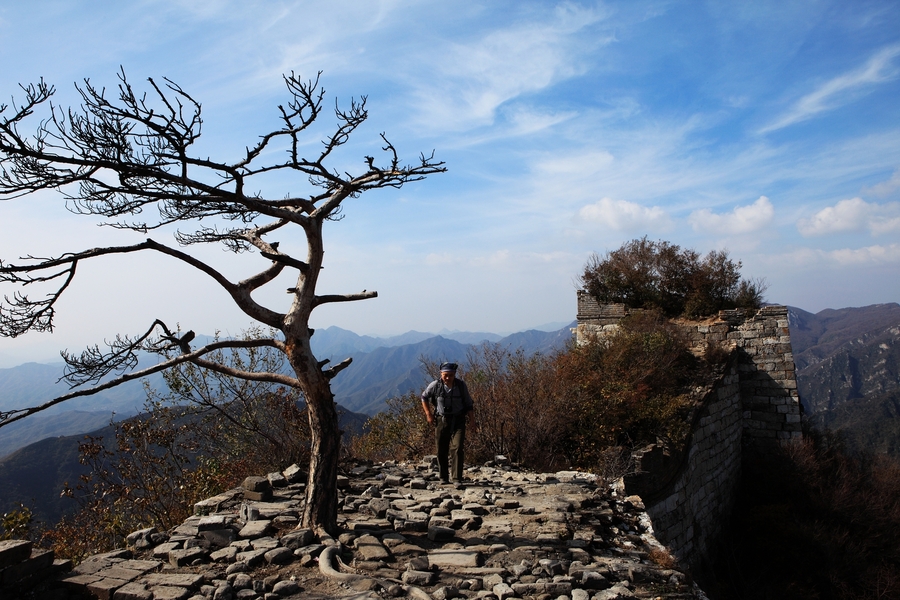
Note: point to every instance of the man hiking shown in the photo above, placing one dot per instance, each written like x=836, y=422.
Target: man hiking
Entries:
x=448, y=406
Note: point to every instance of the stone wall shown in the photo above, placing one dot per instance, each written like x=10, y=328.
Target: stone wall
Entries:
x=689, y=495
x=752, y=408
x=23, y=567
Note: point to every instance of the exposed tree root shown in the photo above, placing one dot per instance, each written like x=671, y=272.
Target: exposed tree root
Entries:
x=326, y=568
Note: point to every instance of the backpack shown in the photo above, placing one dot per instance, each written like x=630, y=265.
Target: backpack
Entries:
x=439, y=395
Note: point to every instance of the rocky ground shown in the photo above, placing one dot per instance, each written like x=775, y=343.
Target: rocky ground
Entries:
x=502, y=534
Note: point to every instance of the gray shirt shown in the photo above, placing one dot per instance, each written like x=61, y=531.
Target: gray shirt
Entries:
x=455, y=401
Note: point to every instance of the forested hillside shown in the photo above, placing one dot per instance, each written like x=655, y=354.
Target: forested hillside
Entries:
x=848, y=373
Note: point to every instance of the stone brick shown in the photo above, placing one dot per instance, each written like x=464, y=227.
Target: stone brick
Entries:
x=133, y=591
x=40, y=560
x=103, y=589
x=255, y=529
x=455, y=558
x=185, y=580
x=169, y=593
x=14, y=551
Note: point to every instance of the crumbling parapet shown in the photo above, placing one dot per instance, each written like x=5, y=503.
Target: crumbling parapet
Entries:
x=771, y=403
x=752, y=409
x=689, y=492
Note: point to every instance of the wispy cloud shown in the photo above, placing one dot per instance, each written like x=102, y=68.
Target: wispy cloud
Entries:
x=842, y=89
x=808, y=258
x=629, y=217
x=741, y=220
x=885, y=188
x=853, y=215
x=473, y=79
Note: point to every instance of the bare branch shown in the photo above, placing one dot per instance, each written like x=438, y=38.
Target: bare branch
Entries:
x=94, y=365
x=333, y=371
x=23, y=314
x=327, y=299
x=7, y=417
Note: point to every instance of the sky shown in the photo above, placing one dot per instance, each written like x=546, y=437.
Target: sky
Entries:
x=767, y=129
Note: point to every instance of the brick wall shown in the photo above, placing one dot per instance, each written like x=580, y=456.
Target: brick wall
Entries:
x=752, y=408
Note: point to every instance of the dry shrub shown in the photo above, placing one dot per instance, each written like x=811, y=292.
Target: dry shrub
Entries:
x=584, y=406
x=628, y=389
x=16, y=524
x=399, y=433
x=663, y=276
x=208, y=434
x=815, y=522
x=662, y=558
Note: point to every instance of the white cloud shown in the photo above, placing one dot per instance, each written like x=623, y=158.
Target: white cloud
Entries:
x=842, y=89
x=476, y=77
x=622, y=215
x=743, y=219
x=885, y=187
x=583, y=164
x=498, y=258
x=437, y=260
x=809, y=258
x=871, y=255
x=855, y=215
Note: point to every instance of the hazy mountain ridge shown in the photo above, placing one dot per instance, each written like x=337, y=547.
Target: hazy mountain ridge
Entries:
x=41, y=426
x=814, y=337
x=32, y=384
x=388, y=372
x=373, y=377
x=382, y=368
x=332, y=342
x=849, y=381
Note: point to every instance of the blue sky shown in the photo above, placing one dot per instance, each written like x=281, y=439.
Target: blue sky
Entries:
x=768, y=129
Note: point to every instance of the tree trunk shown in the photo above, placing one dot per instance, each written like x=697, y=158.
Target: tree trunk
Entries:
x=320, y=512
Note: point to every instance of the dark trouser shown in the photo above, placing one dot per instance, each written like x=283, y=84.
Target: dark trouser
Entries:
x=450, y=433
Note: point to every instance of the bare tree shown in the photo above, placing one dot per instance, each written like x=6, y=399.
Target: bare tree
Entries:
x=119, y=158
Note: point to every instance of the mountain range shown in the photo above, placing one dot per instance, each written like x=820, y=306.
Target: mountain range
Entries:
x=848, y=372
x=382, y=368
x=40, y=453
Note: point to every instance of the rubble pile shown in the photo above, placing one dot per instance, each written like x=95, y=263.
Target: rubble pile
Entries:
x=503, y=534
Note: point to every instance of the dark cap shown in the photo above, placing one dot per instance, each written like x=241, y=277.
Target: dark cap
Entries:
x=448, y=367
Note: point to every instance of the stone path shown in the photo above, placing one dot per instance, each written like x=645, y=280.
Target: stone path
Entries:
x=504, y=534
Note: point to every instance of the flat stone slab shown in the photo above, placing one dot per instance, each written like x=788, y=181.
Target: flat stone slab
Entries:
x=133, y=591
x=371, y=548
x=120, y=572
x=141, y=565
x=255, y=529
x=455, y=558
x=164, y=592
x=371, y=525
x=211, y=505
x=186, y=580
x=103, y=589
x=211, y=522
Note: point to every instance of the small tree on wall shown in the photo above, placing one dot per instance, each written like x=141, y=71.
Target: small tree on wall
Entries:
x=122, y=158
x=661, y=275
